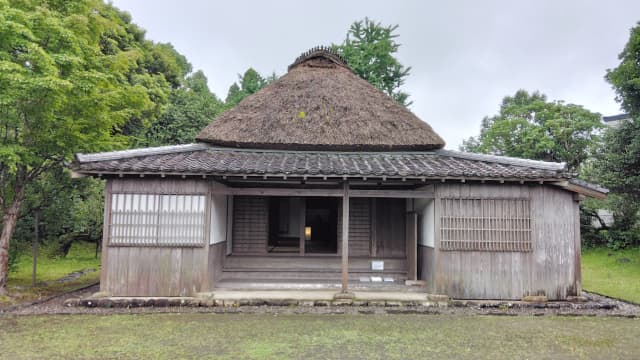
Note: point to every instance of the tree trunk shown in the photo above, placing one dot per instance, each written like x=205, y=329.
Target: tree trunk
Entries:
x=9, y=219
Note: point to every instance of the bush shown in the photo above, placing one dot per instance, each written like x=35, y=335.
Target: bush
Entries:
x=617, y=239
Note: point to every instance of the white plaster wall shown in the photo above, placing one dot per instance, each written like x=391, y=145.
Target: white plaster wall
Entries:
x=426, y=213
x=218, y=222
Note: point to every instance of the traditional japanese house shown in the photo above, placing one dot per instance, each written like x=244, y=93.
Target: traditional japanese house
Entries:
x=320, y=179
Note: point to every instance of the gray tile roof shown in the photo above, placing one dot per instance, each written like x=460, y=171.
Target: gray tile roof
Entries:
x=205, y=159
x=590, y=186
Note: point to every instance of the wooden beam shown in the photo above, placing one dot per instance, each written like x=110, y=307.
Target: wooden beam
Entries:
x=401, y=194
x=278, y=192
x=345, y=237
x=382, y=193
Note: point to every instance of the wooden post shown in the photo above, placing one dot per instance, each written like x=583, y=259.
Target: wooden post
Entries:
x=229, y=224
x=36, y=234
x=412, y=245
x=345, y=237
x=302, y=210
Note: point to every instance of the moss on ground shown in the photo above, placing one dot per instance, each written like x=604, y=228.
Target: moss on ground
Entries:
x=227, y=336
x=612, y=273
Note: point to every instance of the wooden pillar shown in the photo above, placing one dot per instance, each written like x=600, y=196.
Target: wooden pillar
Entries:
x=106, y=233
x=229, y=228
x=412, y=245
x=301, y=208
x=345, y=237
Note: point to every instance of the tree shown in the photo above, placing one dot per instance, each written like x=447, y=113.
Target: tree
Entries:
x=73, y=76
x=618, y=164
x=248, y=83
x=529, y=126
x=191, y=108
x=369, y=50
x=625, y=78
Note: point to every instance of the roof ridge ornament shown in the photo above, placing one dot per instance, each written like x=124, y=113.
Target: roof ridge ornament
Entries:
x=326, y=52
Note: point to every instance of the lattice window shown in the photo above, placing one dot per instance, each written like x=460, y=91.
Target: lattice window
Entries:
x=157, y=220
x=485, y=224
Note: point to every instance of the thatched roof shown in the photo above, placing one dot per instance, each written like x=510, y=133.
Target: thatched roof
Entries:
x=320, y=104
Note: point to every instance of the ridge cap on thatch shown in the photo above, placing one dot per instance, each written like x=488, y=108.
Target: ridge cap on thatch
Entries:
x=321, y=51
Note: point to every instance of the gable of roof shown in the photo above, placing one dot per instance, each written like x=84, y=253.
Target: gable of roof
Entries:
x=320, y=104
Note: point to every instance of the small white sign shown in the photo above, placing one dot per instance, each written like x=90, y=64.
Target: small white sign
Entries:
x=377, y=265
x=376, y=279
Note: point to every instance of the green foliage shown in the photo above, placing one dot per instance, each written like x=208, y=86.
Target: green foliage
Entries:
x=248, y=83
x=74, y=77
x=191, y=108
x=370, y=49
x=625, y=78
x=617, y=166
x=529, y=126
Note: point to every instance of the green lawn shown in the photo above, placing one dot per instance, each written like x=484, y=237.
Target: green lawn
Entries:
x=81, y=256
x=609, y=273
x=233, y=336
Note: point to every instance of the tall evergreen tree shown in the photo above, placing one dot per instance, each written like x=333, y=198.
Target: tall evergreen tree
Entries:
x=248, y=83
x=370, y=49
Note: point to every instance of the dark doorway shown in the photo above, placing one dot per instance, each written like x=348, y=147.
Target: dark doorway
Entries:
x=321, y=225
x=284, y=224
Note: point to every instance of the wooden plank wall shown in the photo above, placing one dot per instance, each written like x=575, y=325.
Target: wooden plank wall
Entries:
x=426, y=266
x=547, y=269
x=216, y=261
x=390, y=227
x=154, y=271
x=359, y=227
x=250, y=224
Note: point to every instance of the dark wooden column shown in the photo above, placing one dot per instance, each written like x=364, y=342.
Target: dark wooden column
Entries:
x=412, y=245
x=345, y=237
x=302, y=210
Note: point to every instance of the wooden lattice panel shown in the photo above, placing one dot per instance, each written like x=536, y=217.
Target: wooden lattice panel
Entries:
x=157, y=220
x=485, y=224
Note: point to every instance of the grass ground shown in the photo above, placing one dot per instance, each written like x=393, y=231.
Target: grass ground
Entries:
x=612, y=273
x=81, y=256
x=233, y=336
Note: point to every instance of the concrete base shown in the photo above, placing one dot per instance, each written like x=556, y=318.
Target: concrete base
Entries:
x=344, y=296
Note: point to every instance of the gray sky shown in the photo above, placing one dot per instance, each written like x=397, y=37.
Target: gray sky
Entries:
x=465, y=55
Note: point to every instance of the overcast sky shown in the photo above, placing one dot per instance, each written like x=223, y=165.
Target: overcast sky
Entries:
x=465, y=55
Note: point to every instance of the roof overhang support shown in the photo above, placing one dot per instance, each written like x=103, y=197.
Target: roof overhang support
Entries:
x=567, y=185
